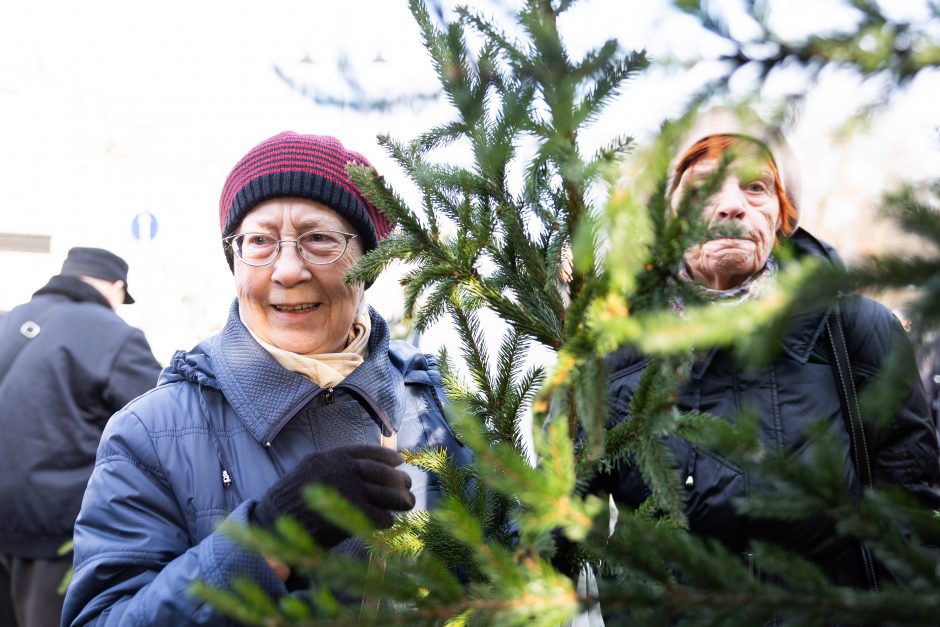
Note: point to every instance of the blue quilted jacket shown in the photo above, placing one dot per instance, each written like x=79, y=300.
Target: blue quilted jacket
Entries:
x=224, y=423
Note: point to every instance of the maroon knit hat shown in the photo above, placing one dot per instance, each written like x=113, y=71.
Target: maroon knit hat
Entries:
x=304, y=166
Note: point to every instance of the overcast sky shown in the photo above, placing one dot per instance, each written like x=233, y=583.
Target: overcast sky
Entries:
x=116, y=111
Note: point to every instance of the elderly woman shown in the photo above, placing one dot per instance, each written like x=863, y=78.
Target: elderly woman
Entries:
x=754, y=205
x=303, y=384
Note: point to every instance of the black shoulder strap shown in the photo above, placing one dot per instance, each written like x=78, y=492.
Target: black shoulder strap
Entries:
x=28, y=331
x=851, y=413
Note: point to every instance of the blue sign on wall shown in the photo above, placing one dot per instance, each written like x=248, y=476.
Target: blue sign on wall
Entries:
x=144, y=226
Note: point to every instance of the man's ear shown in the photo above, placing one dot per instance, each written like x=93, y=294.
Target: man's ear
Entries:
x=121, y=288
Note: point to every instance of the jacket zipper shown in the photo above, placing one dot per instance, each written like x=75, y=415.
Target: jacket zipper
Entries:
x=288, y=415
x=227, y=482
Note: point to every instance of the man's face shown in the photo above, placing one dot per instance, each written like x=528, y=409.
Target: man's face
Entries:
x=744, y=210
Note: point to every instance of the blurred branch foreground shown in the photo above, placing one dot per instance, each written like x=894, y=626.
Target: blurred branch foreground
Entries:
x=508, y=544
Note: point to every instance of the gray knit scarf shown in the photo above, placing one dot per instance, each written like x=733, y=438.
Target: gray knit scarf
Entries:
x=753, y=288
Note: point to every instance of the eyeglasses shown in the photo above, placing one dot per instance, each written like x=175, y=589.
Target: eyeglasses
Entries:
x=316, y=247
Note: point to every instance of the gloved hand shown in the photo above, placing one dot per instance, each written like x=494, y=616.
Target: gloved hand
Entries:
x=364, y=475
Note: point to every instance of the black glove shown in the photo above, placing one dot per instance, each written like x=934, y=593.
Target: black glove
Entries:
x=364, y=475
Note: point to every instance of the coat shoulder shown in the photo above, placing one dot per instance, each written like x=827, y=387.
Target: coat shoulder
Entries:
x=425, y=391
x=167, y=407
x=872, y=331
x=407, y=357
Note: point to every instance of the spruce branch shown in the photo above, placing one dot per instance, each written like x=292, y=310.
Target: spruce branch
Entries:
x=475, y=352
x=449, y=58
x=607, y=156
x=894, y=51
x=517, y=58
x=611, y=78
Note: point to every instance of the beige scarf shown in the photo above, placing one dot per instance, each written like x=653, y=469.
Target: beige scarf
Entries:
x=326, y=369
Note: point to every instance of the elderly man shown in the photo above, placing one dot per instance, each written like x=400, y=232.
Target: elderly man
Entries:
x=67, y=363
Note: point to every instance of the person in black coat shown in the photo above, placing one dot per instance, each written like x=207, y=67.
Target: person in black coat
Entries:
x=67, y=363
x=759, y=196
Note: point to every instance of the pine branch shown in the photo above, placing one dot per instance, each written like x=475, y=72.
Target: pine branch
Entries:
x=375, y=188
x=651, y=417
x=915, y=209
x=435, y=305
x=526, y=390
x=448, y=188
x=611, y=77
x=517, y=58
x=597, y=61
x=474, y=351
x=440, y=136
x=449, y=58
x=607, y=156
x=578, y=313
x=876, y=46
x=442, y=279
x=546, y=331
x=509, y=365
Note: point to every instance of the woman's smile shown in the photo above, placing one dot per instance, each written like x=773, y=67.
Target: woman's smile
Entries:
x=300, y=308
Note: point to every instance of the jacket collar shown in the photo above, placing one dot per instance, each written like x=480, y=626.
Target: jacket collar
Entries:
x=74, y=289
x=807, y=326
x=803, y=333
x=265, y=395
x=801, y=337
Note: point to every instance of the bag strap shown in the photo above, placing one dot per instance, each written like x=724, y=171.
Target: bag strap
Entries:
x=851, y=413
x=28, y=331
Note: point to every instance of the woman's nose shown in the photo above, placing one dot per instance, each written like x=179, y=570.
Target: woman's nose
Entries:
x=289, y=267
x=728, y=203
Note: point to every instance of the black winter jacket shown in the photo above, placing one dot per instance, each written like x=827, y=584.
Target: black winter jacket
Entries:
x=85, y=364
x=795, y=391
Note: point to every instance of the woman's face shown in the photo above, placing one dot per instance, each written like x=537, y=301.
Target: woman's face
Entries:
x=290, y=303
x=745, y=210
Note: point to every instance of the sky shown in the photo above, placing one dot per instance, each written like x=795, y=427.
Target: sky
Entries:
x=119, y=120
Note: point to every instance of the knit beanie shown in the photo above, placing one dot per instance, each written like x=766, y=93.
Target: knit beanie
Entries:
x=746, y=124
x=303, y=166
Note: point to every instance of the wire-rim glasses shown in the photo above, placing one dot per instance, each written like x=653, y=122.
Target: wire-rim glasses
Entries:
x=316, y=247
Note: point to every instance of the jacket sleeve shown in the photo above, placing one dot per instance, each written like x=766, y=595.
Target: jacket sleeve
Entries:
x=623, y=482
x=135, y=562
x=133, y=371
x=905, y=448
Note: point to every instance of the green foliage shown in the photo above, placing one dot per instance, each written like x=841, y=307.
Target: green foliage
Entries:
x=717, y=587
x=581, y=280
x=916, y=209
x=876, y=46
x=65, y=549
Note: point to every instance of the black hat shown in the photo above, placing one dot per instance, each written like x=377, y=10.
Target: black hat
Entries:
x=98, y=263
